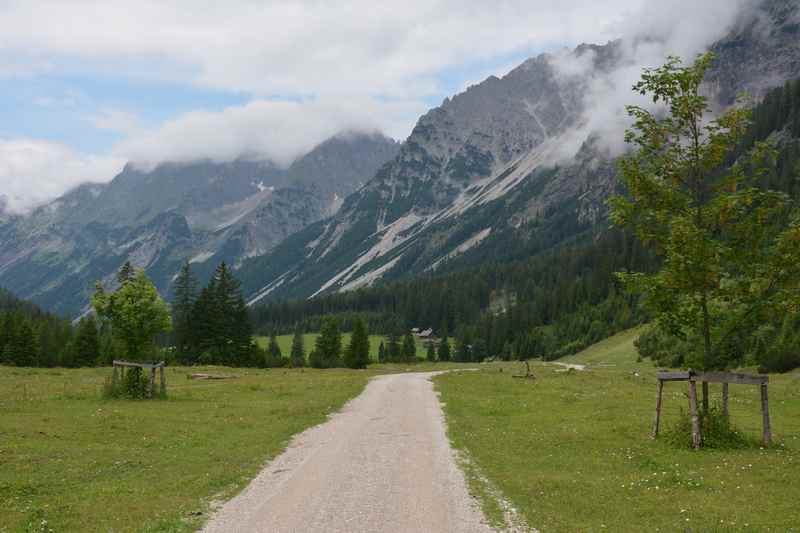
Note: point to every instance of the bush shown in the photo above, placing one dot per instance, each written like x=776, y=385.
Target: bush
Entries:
x=715, y=429
x=133, y=385
x=782, y=357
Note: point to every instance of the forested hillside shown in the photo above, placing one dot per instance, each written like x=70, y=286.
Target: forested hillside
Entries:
x=31, y=337
x=553, y=303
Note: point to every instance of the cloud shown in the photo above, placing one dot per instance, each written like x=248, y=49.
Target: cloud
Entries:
x=684, y=28
x=35, y=171
x=310, y=68
x=279, y=131
x=302, y=46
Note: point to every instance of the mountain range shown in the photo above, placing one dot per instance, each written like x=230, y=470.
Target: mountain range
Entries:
x=204, y=212
x=506, y=169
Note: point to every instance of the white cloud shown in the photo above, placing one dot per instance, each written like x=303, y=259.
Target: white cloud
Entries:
x=312, y=68
x=683, y=28
x=277, y=130
x=303, y=46
x=34, y=171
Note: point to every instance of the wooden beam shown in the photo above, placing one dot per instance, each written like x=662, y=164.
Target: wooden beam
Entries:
x=730, y=377
x=696, y=438
x=659, y=390
x=138, y=365
x=674, y=376
x=765, y=415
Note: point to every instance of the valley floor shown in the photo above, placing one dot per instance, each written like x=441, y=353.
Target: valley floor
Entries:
x=570, y=451
x=382, y=464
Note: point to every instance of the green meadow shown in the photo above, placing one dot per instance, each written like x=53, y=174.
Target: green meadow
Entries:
x=570, y=451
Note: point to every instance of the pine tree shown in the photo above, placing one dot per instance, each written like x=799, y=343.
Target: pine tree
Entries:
x=431, y=357
x=185, y=297
x=444, y=349
x=381, y=353
x=274, y=355
x=328, y=346
x=394, y=350
x=409, y=348
x=357, y=352
x=86, y=347
x=298, y=356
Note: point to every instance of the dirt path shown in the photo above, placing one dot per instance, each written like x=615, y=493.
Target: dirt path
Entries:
x=382, y=464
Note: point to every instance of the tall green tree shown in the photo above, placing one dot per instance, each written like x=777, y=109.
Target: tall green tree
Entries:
x=444, y=349
x=409, y=349
x=184, y=299
x=274, y=355
x=357, y=353
x=87, y=343
x=328, y=346
x=135, y=313
x=298, y=355
x=731, y=249
x=431, y=355
x=126, y=273
x=394, y=350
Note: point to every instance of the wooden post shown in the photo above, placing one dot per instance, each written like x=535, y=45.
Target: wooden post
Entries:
x=163, y=381
x=765, y=414
x=152, y=382
x=705, y=398
x=695, y=416
x=659, y=389
x=725, y=400
x=114, y=378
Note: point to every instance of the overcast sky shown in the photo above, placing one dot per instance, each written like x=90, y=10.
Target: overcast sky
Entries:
x=86, y=86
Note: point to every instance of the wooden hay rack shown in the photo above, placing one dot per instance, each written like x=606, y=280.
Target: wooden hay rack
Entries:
x=725, y=378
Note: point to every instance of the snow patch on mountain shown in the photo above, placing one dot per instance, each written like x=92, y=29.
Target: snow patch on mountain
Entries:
x=366, y=280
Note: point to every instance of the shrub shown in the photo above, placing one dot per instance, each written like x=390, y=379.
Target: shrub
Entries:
x=715, y=429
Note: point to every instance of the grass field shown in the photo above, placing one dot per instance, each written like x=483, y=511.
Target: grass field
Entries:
x=571, y=451
x=285, y=342
x=73, y=461
x=82, y=463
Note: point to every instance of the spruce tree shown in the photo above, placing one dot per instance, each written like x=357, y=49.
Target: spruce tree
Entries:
x=444, y=349
x=86, y=347
x=381, y=353
x=328, y=346
x=298, y=356
x=394, y=350
x=357, y=352
x=185, y=296
x=431, y=357
x=274, y=355
x=409, y=348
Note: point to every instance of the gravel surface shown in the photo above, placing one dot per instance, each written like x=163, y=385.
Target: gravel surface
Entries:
x=382, y=464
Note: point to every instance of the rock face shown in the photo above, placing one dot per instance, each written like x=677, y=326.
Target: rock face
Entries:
x=205, y=212
x=483, y=177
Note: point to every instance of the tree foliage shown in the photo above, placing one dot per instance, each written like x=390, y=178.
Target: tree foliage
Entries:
x=731, y=249
x=135, y=313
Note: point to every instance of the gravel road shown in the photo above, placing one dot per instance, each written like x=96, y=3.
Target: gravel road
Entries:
x=382, y=464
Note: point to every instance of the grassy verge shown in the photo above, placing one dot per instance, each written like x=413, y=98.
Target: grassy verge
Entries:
x=82, y=463
x=72, y=461
x=571, y=452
